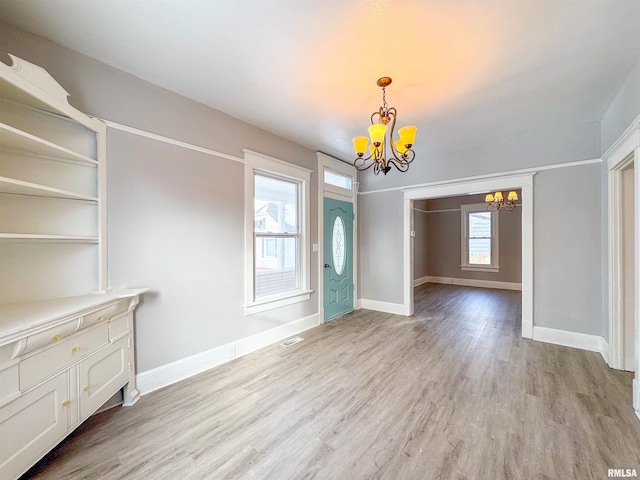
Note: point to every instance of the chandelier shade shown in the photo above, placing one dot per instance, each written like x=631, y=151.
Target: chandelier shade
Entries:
x=495, y=201
x=398, y=153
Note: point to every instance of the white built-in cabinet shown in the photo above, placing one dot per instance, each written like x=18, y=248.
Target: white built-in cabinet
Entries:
x=66, y=338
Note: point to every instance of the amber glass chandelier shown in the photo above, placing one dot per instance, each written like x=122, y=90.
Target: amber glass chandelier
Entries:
x=496, y=201
x=380, y=156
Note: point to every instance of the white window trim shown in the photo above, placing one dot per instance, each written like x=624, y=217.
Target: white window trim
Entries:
x=256, y=162
x=464, y=245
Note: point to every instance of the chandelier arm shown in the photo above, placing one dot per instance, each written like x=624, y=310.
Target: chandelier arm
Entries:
x=361, y=163
x=401, y=166
x=409, y=156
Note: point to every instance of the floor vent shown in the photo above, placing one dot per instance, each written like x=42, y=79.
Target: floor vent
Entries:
x=291, y=341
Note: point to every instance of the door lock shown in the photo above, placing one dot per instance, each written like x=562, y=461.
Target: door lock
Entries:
x=326, y=265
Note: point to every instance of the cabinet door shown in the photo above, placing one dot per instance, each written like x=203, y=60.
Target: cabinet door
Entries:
x=102, y=375
x=32, y=424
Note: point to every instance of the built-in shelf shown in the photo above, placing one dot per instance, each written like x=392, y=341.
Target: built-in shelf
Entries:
x=13, y=139
x=18, y=187
x=17, y=95
x=48, y=238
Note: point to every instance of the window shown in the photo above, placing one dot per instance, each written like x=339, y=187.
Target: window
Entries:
x=479, y=238
x=337, y=179
x=277, y=235
x=277, y=232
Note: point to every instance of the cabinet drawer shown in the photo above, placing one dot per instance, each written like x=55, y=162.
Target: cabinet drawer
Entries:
x=37, y=367
x=51, y=335
x=98, y=316
x=32, y=424
x=102, y=375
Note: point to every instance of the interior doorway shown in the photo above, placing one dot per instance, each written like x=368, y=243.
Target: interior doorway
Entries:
x=623, y=274
x=523, y=182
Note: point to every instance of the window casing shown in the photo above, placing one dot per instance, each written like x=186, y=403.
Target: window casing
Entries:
x=276, y=233
x=480, y=246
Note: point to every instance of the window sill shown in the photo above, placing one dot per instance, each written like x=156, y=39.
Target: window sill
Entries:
x=479, y=268
x=276, y=301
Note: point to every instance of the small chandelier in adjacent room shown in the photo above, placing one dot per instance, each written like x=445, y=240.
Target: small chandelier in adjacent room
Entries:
x=380, y=157
x=496, y=201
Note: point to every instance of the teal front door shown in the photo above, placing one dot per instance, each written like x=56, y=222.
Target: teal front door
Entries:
x=338, y=258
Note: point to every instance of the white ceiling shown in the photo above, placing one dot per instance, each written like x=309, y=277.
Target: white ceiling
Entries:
x=463, y=71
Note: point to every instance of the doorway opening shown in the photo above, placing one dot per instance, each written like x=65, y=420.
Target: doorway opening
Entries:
x=524, y=183
x=459, y=241
x=622, y=261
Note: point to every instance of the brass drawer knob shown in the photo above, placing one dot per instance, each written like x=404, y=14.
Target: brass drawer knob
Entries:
x=100, y=318
x=66, y=403
x=57, y=337
x=75, y=349
x=86, y=389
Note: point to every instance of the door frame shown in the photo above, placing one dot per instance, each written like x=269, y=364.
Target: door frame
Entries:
x=616, y=239
x=619, y=156
x=326, y=162
x=449, y=189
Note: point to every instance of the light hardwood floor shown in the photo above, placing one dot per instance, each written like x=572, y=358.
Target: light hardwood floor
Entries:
x=453, y=392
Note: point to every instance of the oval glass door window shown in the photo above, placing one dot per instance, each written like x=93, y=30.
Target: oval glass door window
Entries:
x=337, y=245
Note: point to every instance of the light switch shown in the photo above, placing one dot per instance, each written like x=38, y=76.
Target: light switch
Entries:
x=314, y=247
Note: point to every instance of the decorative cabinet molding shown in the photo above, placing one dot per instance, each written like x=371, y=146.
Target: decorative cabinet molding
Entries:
x=63, y=351
x=56, y=369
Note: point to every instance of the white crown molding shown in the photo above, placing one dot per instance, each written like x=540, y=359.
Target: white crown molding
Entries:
x=525, y=171
x=171, y=141
x=165, y=375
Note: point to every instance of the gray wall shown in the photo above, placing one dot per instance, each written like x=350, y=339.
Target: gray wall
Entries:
x=567, y=250
x=558, y=144
x=442, y=242
x=421, y=240
x=380, y=246
x=176, y=217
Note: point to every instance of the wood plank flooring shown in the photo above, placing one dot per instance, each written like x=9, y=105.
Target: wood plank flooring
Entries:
x=452, y=392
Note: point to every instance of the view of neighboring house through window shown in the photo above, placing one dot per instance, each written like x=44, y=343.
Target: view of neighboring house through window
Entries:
x=277, y=235
x=479, y=238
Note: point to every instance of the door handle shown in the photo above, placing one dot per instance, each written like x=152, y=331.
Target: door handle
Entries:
x=326, y=265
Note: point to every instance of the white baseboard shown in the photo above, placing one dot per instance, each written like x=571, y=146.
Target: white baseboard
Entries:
x=605, y=350
x=583, y=341
x=182, y=369
x=468, y=282
x=386, y=307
